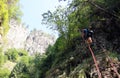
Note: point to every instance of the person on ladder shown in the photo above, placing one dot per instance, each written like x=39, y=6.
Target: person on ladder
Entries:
x=87, y=36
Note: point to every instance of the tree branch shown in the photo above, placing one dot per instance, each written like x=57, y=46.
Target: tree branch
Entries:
x=97, y=6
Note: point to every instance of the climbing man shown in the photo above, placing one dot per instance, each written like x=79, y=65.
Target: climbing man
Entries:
x=87, y=35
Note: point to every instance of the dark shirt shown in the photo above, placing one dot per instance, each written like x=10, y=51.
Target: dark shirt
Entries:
x=87, y=33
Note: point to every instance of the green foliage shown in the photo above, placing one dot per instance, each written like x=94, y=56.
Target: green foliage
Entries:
x=14, y=10
x=114, y=55
x=49, y=50
x=67, y=21
x=4, y=73
x=2, y=57
x=4, y=16
x=25, y=60
x=57, y=20
x=30, y=67
x=8, y=9
x=40, y=64
x=12, y=54
x=19, y=71
x=22, y=52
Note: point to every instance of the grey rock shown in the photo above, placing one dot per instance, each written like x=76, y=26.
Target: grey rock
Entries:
x=37, y=42
x=16, y=35
x=34, y=42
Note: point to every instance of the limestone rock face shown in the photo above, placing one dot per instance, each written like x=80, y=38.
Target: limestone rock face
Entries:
x=38, y=41
x=16, y=35
x=35, y=41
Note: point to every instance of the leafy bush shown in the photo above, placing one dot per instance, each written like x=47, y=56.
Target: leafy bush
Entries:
x=12, y=54
x=114, y=55
x=20, y=71
x=2, y=58
x=25, y=60
x=4, y=73
x=22, y=52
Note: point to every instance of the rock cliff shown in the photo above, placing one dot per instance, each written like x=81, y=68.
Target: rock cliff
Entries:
x=19, y=37
x=37, y=41
x=16, y=35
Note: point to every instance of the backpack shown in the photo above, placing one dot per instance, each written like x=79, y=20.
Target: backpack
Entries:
x=90, y=33
x=85, y=31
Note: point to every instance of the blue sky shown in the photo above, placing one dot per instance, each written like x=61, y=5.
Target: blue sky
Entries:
x=33, y=10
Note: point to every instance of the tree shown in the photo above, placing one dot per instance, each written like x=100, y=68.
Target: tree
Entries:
x=8, y=9
x=57, y=20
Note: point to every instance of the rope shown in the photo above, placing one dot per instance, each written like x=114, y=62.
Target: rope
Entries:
x=99, y=74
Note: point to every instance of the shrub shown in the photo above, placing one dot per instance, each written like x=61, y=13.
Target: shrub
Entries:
x=22, y=52
x=19, y=71
x=4, y=73
x=1, y=57
x=12, y=54
x=25, y=60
